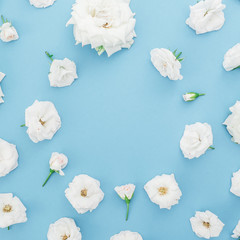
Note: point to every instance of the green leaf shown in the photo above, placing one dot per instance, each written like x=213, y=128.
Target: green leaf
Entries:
x=2, y=19
x=178, y=55
x=236, y=67
x=174, y=52
x=50, y=56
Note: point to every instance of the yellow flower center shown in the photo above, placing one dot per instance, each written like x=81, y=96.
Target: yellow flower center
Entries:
x=7, y=208
x=162, y=191
x=42, y=122
x=84, y=192
x=65, y=237
x=106, y=25
x=206, y=224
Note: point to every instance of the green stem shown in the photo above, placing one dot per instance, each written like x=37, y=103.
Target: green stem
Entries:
x=8, y=228
x=51, y=172
x=128, y=203
x=2, y=18
x=211, y=148
x=23, y=125
x=127, y=211
x=201, y=94
x=50, y=56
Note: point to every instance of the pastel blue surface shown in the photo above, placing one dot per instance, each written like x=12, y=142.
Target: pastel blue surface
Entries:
x=121, y=121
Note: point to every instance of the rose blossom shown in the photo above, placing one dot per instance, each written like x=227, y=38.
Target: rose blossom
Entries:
x=107, y=25
x=8, y=157
x=206, y=225
x=206, y=16
x=196, y=140
x=41, y=3
x=127, y=235
x=84, y=193
x=7, y=32
x=63, y=229
x=235, y=188
x=191, y=96
x=163, y=190
x=12, y=211
x=236, y=231
x=2, y=75
x=62, y=72
x=232, y=58
x=233, y=122
x=42, y=120
x=125, y=192
x=58, y=161
x=166, y=63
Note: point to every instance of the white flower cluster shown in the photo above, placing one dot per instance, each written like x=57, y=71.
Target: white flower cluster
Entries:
x=109, y=25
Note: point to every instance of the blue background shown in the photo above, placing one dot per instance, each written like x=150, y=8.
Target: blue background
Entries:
x=121, y=121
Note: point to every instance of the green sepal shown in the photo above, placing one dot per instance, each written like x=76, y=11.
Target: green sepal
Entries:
x=100, y=50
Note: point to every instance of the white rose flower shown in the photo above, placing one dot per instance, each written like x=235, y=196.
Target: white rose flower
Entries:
x=63, y=229
x=8, y=157
x=206, y=16
x=1, y=96
x=127, y=235
x=206, y=225
x=167, y=63
x=7, y=32
x=233, y=122
x=42, y=120
x=196, y=140
x=84, y=193
x=235, y=188
x=125, y=192
x=232, y=58
x=108, y=25
x=12, y=211
x=2, y=76
x=62, y=72
x=164, y=191
x=41, y=3
x=58, y=161
x=191, y=96
x=236, y=231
